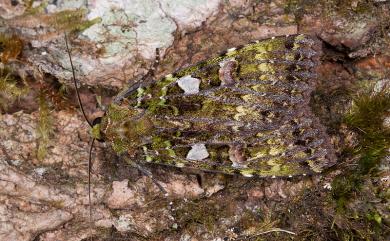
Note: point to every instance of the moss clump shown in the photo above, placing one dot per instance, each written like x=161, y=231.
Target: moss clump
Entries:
x=10, y=47
x=44, y=126
x=10, y=90
x=255, y=225
x=199, y=213
x=346, y=8
x=63, y=21
x=367, y=118
x=72, y=20
x=34, y=10
x=343, y=188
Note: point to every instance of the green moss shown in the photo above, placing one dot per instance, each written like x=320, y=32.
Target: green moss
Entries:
x=73, y=20
x=44, y=127
x=57, y=204
x=10, y=47
x=359, y=7
x=66, y=20
x=366, y=117
x=353, y=191
x=30, y=10
x=344, y=8
x=10, y=90
x=200, y=213
x=254, y=224
x=343, y=188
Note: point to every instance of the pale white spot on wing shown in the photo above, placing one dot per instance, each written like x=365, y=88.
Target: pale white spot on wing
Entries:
x=247, y=174
x=231, y=49
x=179, y=164
x=197, y=152
x=238, y=165
x=189, y=84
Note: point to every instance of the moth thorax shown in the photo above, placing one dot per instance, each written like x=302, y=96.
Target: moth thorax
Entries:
x=137, y=129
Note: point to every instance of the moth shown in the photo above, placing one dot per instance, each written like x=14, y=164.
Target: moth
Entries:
x=245, y=111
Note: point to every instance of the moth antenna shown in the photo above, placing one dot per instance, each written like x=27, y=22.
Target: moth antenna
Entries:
x=93, y=139
x=75, y=83
x=89, y=186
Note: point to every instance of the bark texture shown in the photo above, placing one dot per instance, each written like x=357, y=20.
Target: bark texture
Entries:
x=45, y=196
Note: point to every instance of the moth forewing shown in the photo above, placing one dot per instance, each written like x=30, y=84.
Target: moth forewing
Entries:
x=245, y=112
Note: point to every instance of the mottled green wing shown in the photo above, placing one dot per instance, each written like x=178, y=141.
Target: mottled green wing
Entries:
x=243, y=112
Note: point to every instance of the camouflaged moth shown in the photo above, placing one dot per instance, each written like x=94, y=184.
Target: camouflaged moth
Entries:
x=246, y=111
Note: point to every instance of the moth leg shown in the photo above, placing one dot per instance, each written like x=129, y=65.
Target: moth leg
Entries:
x=125, y=93
x=199, y=174
x=150, y=74
x=201, y=179
x=147, y=173
x=146, y=80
